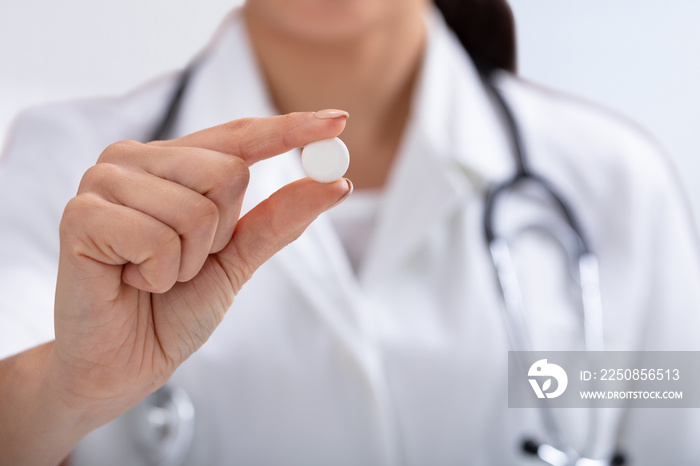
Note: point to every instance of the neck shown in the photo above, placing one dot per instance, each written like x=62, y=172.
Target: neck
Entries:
x=372, y=77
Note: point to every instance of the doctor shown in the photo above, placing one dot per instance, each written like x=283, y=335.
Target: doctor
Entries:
x=375, y=338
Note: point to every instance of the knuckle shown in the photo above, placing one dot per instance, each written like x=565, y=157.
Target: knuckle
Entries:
x=278, y=226
x=268, y=241
x=235, y=172
x=166, y=240
x=238, y=274
x=74, y=222
x=238, y=270
x=240, y=131
x=100, y=175
x=75, y=209
x=287, y=139
x=120, y=150
x=161, y=283
x=81, y=205
x=161, y=258
x=242, y=124
x=205, y=212
x=291, y=120
x=286, y=132
x=158, y=143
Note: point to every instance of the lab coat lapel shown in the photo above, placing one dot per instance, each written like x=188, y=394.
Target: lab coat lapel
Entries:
x=454, y=145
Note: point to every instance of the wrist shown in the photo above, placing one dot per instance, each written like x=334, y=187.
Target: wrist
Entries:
x=85, y=398
x=36, y=425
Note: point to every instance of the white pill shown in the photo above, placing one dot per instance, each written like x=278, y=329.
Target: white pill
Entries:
x=326, y=160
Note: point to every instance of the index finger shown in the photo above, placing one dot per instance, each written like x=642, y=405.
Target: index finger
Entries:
x=255, y=139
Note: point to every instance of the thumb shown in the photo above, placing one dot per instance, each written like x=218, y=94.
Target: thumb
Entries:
x=276, y=222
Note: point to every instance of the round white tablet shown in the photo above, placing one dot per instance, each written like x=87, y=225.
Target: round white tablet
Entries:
x=326, y=160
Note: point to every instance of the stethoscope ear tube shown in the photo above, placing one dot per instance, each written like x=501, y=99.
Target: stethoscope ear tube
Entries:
x=523, y=172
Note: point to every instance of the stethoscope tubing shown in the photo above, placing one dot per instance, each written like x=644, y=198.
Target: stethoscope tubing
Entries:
x=586, y=264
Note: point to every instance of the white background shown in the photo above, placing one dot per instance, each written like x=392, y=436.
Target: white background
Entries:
x=639, y=57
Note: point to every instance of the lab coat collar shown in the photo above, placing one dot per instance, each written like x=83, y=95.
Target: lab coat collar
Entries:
x=454, y=146
x=452, y=111
x=226, y=83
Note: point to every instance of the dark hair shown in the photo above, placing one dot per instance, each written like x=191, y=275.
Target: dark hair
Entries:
x=485, y=28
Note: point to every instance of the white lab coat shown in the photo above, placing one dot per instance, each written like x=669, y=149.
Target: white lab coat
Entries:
x=405, y=362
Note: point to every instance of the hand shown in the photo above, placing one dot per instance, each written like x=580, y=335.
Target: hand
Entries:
x=153, y=251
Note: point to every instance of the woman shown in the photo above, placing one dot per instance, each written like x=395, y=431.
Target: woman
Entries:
x=376, y=337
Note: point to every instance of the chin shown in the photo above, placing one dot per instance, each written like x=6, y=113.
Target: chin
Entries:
x=325, y=20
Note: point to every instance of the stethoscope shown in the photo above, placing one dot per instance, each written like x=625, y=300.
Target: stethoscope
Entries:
x=583, y=266
x=164, y=422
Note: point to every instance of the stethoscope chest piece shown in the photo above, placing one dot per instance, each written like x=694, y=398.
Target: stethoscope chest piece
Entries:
x=162, y=426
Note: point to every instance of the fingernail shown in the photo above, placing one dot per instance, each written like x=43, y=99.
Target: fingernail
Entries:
x=330, y=114
x=345, y=196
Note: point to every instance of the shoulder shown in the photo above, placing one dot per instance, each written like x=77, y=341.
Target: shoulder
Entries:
x=87, y=125
x=573, y=135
